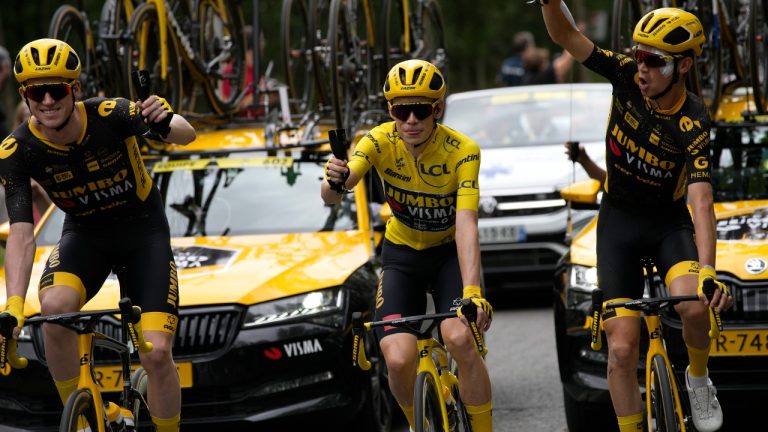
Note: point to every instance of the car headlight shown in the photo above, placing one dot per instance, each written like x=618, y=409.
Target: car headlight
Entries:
x=583, y=282
x=323, y=302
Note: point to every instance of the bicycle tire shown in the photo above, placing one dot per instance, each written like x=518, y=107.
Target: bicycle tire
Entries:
x=708, y=71
x=138, y=403
x=296, y=51
x=143, y=52
x=392, y=34
x=426, y=405
x=222, y=38
x=626, y=14
x=662, y=414
x=79, y=411
x=69, y=26
x=348, y=68
x=432, y=34
x=758, y=53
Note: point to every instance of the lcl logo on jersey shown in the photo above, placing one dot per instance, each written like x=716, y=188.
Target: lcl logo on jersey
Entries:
x=435, y=170
x=755, y=265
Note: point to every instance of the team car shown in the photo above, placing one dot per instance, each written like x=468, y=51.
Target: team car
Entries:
x=521, y=131
x=737, y=364
x=269, y=277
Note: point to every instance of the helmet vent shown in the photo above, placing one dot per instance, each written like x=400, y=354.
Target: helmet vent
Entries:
x=677, y=36
x=436, y=82
x=35, y=55
x=653, y=26
x=72, y=61
x=401, y=72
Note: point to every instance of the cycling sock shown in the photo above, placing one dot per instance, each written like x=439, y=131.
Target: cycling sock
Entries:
x=168, y=424
x=631, y=423
x=481, y=416
x=408, y=411
x=66, y=388
x=698, y=359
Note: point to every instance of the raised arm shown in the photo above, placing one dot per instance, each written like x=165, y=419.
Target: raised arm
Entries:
x=563, y=31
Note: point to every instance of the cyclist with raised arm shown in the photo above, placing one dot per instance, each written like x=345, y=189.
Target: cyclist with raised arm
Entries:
x=657, y=150
x=429, y=173
x=86, y=157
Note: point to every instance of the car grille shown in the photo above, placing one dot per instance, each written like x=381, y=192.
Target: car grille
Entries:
x=522, y=205
x=201, y=332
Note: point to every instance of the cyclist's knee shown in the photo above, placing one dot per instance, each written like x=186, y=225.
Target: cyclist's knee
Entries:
x=160, y=356
x=459, y=342
x=399, y=352
x=623, y=355
x=58, y=300
x=692, y=311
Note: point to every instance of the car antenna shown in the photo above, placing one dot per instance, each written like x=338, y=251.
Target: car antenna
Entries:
x=573, y=154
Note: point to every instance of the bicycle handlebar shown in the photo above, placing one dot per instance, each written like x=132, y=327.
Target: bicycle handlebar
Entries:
x=9, y=358
x=359, y=327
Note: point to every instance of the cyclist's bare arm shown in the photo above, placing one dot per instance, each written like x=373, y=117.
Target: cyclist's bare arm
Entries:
x=468, y=246
x=20, y=253
x=563, y=31
x=701, y=202
x=337, y=170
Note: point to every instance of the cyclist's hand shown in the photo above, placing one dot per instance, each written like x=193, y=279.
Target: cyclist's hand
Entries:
x=484, y=308
x=14, y=306
x=722, y=299
x=158, y=113
x=336, y=171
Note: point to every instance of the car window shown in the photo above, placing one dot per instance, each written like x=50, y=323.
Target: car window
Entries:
x=524, y=117
x=241, y=195
x=740, y=163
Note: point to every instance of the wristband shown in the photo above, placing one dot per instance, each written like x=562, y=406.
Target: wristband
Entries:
x=15, y=306
x=471, y=291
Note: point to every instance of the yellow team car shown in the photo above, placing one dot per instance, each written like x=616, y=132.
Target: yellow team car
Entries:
x=269, y=277
x=739, y=358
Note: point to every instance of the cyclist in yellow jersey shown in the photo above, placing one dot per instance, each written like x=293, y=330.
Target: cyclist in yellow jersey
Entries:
x=85, y=155
x=429, y=173
x=658, y=152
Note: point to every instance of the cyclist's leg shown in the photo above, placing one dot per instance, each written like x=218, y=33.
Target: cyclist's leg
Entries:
x=401, y=293
x=474, y=382
x=152, y=283
x=73, y=274
x=620, y=276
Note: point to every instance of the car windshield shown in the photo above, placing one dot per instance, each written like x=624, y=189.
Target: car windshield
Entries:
x=249, y=193
x=740, y=162
x=527, y=116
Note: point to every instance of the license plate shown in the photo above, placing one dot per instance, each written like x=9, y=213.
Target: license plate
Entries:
x=501, y=234
x=741, y=343
x=110, y=378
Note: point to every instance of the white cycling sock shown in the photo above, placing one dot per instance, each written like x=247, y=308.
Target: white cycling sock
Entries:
x=695, y=381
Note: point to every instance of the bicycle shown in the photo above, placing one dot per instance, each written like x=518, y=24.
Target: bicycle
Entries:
x=206, y=36
x=437, y=404
x=86, y=407
x=100, y=57
x=664, y=405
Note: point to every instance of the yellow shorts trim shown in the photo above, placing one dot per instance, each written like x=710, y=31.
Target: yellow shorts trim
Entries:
x=159, y=321
x=681, y=269
x=618, y=312
x=64, y=279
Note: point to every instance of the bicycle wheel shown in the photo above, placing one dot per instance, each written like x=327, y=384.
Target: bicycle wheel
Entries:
x=69, y=25
x=392, y=35
x=113, y=21
x=296, y=52
x=462, y=417
x=663, y=416
x=138, y=403
x=626, y=14
x=143, y=52
x=79, y=412
x=319, y=11
x=431, y=35
x=758, y=52
x=349, y=65
x=222, y=51
x=708, y=71
x=426, y=405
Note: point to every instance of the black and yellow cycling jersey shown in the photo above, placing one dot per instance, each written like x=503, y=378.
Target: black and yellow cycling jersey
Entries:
x=651, y=155
x=100, y=176
x=425, y=192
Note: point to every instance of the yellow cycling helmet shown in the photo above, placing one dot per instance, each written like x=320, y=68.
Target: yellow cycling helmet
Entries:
x=46, y=58
x=670, y=29
x=414, y=78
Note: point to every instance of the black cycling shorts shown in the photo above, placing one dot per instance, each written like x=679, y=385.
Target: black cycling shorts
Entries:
x=626, y=234
x=138, y=248
x=408, y=274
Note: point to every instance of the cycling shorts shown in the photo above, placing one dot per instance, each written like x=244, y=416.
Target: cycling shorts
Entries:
x=626, y=234
x=139, y=247
x=408, y=275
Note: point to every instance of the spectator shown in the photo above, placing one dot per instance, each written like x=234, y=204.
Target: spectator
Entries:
x=513, y=71
x=530, y=64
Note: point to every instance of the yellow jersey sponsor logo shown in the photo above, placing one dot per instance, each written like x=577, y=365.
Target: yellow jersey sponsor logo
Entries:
x=63, y=176
x=7, y=147
x=106, y=107
x=631, y=120
x=701, y=162
x=638, y=151
x=687, y=124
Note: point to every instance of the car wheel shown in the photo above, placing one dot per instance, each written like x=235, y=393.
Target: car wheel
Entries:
x=376, y=413
x=588, y=416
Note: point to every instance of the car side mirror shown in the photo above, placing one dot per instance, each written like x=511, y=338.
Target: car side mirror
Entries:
x=583, y=194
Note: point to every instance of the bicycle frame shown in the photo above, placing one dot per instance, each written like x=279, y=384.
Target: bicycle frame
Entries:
x=433, y=355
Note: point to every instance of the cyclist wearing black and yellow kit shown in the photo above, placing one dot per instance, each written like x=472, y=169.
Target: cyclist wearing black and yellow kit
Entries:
x=86, y=157
x=657, y=153
x=429, y=174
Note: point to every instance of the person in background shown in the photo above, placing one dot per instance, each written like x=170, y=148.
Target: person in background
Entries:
x=530, y=64
x=594, y=171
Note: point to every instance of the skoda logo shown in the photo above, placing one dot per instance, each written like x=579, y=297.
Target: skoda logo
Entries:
x=755, y=265
x=487, y=206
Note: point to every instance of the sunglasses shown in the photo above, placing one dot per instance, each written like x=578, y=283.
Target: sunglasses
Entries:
x=58, y=91
x=421, y=110
x=650, y=59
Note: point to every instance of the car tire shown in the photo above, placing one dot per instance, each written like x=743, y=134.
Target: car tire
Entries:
x=588, y=416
